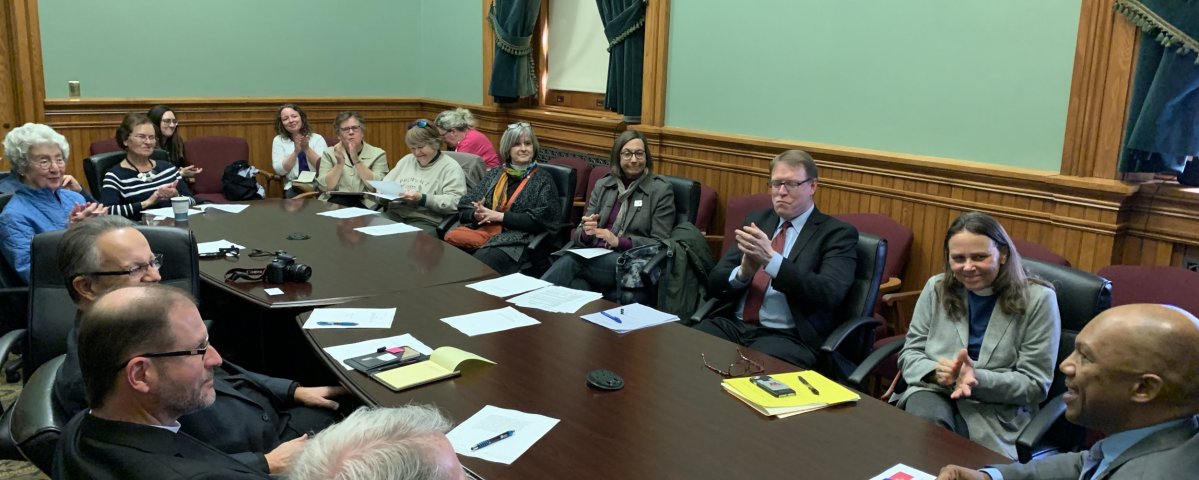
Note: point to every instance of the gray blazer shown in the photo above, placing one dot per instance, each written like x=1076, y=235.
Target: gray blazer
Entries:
x=1014, y=368
x=1170, y=453
x=653, y=210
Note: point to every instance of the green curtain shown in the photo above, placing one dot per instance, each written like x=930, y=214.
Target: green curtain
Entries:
x=1163, y=112
x=624, y=25
x=512, y=74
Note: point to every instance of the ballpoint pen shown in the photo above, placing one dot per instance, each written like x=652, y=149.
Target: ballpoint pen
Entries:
x=612, y=317
x=806, y=384
x=492, y=440
x=337, y=324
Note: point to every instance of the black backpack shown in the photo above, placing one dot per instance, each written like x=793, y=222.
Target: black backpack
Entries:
x=237, y=183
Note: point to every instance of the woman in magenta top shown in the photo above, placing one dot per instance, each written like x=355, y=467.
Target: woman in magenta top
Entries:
x=457, y=128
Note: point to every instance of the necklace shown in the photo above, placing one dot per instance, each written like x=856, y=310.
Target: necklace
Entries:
x=142, y=176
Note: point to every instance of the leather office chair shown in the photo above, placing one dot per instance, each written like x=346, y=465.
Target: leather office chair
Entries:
x=582, y=175
x=850, y=342
x=564, y=181
x=707, y=208
x=95, y=166
x=14, y=307
x=106, y=145
x=213, y=154
x=472, y=165
x=686, y=198
x=1141, y=284
x=52, y=315
x=34, y=419
x=1080, y=297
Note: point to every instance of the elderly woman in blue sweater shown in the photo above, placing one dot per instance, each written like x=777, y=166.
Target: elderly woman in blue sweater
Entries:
x=47, y=199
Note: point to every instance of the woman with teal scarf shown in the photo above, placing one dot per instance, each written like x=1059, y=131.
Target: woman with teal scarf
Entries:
x=511, y=205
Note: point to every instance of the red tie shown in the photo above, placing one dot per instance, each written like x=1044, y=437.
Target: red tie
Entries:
x=757, y=286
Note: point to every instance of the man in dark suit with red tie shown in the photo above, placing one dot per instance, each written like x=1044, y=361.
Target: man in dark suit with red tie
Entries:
x=790, y=267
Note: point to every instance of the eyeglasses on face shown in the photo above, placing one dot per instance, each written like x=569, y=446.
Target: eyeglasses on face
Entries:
x=790, y=184
x=135, y=270
x=629, y=154
x=514, y=126
x=144, y=138
x=170, y=121
x=351, y=128
x=179, y=353
x=743, y=367
x=44, y=163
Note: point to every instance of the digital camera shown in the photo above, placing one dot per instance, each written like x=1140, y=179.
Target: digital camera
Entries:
x=283, y=268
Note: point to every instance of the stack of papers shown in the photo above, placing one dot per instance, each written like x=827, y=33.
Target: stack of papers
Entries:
x=351, y=318
x=556, y=299
x=630, y=317
x=830, y=393
x=490, y=422
x=589, y=252
x=509, y=285
x=349, y=212
x=490, y=321
x=389, y=229
x=214, y=247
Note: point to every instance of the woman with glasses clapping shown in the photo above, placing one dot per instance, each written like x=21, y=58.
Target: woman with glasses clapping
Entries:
x=166, y=128
x=140, y=182
x=432, y=182
x=349, y=165
x=513, y=203
x=48, y=199
x=630, y=207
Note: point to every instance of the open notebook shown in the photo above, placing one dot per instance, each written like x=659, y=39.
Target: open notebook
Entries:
x=442, y=364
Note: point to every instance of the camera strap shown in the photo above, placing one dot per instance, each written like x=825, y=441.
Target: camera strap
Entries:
x=246, y=274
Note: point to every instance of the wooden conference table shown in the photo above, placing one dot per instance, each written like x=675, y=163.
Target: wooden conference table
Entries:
x=255, y=329
x=672, y=420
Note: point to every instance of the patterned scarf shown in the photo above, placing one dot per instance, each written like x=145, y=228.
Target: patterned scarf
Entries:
x=499, y=195
x=624, y=216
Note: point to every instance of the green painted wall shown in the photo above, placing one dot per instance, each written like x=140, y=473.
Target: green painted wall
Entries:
x=975, y=80
x=256, y=48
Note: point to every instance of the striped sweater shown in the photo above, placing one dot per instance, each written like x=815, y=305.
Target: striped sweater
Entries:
x=123, y=192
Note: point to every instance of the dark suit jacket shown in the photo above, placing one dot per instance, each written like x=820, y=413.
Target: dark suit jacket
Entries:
x=814, y=277
x=1170, y=453
x=245, y=421
x=94, y=448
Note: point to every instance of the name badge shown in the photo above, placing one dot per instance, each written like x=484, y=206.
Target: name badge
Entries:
x=636, y=203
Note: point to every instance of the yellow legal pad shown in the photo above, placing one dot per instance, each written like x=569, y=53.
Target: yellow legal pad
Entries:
x=831, y=393
x=442, y=364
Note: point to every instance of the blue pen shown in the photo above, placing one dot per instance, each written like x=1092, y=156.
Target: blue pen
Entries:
x=614, y=318
x=492, y=440
x=337, y=324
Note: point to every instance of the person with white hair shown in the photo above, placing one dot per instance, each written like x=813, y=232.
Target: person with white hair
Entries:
x=457, y=129
x=48, y=199
x=400, y=443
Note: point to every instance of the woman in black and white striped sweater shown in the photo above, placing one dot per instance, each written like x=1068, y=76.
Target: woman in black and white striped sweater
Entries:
x=140, y=182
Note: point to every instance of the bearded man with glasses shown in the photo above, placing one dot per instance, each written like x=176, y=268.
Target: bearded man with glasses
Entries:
x=790, y=267
x=257, y=420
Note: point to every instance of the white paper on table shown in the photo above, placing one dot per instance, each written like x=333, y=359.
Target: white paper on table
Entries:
x=555, y=299
x=490, y=321
x=590, y=252
x=224, y=207
x=899, y=469
x=633, y=316
x=344, y=317
x=387, y=189
x=169, y=212
x=509, y=285
x=351, y=350
x=389, y=229
x=273, y=291
x=215, y=246
x=349, y=212
x=528, y=428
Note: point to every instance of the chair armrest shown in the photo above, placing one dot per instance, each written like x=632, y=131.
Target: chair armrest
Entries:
x=36, y=424
x=892, y=284
x=844, y=330
x=11, y=342
x=1035, y=431
x=874, y=360
x=710, y=308
x=446, y=225
x=535, y=243
x=657, y=259
x=891, y=299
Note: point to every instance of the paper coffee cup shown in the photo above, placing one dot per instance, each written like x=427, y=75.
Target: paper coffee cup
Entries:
x=180, y=205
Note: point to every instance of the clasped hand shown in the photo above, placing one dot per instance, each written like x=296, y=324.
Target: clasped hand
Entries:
x=81, y=212
x=957, y=373
x=755, y=247
x=347, y=154
x=484, y=215
x=591, y=228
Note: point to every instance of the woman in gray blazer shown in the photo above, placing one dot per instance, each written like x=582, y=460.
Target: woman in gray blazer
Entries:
x=980, y=352
x=630, y=207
